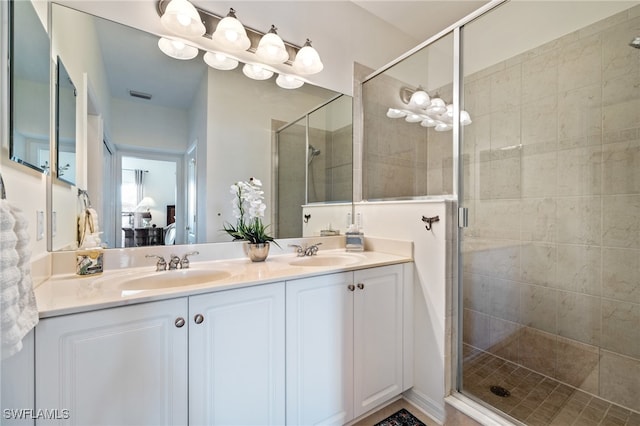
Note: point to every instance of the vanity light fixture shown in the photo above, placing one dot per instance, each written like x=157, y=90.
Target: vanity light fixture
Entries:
x=307, y=60
x=271, y=48
x=429, y=112
x=177, y=49
x=220, y=61
x=287, y=81
x=232, y=43
x=256, y=72
x=231, y=34
x=182, y=18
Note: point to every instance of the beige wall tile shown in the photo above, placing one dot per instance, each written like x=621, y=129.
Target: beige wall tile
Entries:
x=498, y=219
x=538, y=219
x=476, y=329
x=620, y=330
x=580, y=64
x=539, y=174
x=579, y=317
x=578, y=220
x=579, y=269
x=503, y=338
x=538, y=307
x=621, y=221
x=621, y=274
x=540, y=76
x=617, y=58
x=538, y=263
x=503, y=300
x=620, y=379
x=540, y=120
x=621, y=168
x=580, y=116
x=580, y=171
x=506, y=88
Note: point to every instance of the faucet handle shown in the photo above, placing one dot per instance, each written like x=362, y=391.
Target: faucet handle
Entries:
x=161, y=265
x=312, y=249
x=184, y=263
x=299, y=249
x=174, y=262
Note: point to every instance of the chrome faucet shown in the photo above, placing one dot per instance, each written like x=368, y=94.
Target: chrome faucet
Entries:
x=184, y=263
x=174, y=262
x=312, y=250
x=161, y=264
x=306, y=250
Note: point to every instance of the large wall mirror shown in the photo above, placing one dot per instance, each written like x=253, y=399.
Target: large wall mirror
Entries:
x=159, y=141
x=29, y=87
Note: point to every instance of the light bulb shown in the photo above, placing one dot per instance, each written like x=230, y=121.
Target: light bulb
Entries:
x=419, y=99
x=183, y=19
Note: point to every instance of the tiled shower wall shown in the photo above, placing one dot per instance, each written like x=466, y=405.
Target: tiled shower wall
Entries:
x=402, y=159
x=330, y=173
x=552, y=182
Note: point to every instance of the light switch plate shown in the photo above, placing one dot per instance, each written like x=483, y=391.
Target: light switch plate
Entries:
x=39, y=225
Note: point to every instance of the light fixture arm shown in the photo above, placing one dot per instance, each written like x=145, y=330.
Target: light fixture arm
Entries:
x=210, y=21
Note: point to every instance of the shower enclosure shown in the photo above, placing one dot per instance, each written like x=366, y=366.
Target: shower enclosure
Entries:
x=550, y=261
x=317, y=150
x=546, y=170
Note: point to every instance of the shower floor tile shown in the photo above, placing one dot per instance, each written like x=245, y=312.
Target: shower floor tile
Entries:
x=536, y=399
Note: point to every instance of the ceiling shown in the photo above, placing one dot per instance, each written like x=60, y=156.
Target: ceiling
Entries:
x=369, y=32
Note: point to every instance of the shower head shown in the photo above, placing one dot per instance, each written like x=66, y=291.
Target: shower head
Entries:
x=313, y=151
x=635, y=42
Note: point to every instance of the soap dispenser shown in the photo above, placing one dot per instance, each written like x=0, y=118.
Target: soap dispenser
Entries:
x=355, y=239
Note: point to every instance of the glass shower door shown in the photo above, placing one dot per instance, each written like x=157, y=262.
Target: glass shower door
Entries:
x=551, y=258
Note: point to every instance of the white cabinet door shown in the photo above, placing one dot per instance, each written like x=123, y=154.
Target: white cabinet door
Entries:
x=378, y=336
x=320, y=350
x=236, y=357
x=120, y=366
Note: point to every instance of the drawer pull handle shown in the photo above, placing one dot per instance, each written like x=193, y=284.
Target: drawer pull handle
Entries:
x=179, y=322
x=199, y=318
x=360, y=286
x=351, y=287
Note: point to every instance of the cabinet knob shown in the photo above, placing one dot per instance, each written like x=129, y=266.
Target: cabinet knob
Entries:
x=198, y=318
x=179, y=322
x=360, y=286
x=351, y=287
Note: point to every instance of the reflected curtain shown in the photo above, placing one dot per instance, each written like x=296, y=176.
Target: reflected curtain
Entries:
x=139, y=175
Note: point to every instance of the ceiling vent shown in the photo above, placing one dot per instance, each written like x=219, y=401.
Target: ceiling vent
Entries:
x=140, y=95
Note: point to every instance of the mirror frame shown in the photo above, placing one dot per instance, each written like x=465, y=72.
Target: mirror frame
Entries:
x=59, y=68
x=10, y=115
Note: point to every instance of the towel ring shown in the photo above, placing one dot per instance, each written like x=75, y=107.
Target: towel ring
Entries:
x=84, y=196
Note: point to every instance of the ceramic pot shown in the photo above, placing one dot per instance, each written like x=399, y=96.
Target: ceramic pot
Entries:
x=258, y=252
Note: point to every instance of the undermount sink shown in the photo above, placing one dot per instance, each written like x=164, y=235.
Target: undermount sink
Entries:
x=327, y=260
x=175, y=278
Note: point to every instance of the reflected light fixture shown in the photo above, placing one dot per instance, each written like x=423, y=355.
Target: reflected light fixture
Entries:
x=419, y=99
x=287, y=81
x=182, y=18
x=177, y=49
x=220, y=61
x=271, y=48
x=429, y=112
x=256, y=72
x=230, y=33
x=307, y=60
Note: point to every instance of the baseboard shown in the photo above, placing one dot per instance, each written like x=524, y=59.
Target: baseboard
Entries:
x=431, y=408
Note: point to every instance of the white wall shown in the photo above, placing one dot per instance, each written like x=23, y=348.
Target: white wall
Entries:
x=239, y=137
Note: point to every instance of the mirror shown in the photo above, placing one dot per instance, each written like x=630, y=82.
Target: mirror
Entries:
x=65, y=125
x=408, y=146
x=29, y=87
x=214, y=128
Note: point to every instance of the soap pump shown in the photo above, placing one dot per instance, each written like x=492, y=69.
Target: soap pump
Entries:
x=355, y=239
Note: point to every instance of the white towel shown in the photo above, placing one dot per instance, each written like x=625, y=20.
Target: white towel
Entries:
x=18, y=310
x=88, y=228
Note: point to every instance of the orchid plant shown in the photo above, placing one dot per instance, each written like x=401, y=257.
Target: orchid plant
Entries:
x=248, y=208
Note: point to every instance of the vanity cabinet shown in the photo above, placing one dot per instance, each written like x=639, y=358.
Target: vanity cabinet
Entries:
x=236, y=357
x=120, y=366
x=345, y=344
x=214, y=359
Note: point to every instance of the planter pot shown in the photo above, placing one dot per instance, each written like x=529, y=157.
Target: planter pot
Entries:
x=258, y=252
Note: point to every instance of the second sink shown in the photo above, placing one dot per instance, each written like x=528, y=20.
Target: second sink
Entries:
x=169, y=279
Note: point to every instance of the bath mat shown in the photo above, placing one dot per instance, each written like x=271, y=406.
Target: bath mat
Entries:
x=401, y=418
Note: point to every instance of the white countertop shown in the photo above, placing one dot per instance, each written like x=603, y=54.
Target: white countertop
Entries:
x=69, y=293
